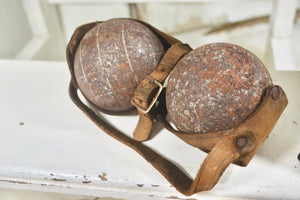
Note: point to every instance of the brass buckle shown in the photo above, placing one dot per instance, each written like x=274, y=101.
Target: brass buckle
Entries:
x=159, y=85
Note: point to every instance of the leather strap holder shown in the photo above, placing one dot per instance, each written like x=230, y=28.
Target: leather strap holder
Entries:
x=237, y=145
x=148, y=91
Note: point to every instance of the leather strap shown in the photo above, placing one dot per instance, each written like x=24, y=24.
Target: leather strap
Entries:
x=170, y=171
x=224, y=153
x=149, y=89
x=255, y=129
x=223, y=150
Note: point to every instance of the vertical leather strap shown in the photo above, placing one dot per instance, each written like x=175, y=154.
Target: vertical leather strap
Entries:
x=144, y=127
x=149, y=89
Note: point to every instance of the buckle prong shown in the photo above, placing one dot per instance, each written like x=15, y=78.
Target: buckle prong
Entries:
x=160, y=87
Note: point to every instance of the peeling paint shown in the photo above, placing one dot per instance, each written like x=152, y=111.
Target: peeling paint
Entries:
x=140, y=185
x=86, y=181
x=103, y=177
x=175, y=197
x=58, y=179
x=18, y=182
x=172, y=197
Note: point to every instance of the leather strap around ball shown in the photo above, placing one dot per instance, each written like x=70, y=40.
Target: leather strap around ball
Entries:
x=149, y=89
x=207, y=176
x=223, y=151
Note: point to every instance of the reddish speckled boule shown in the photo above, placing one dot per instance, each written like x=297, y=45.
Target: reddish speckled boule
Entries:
x=215, y=87
x=112, y=58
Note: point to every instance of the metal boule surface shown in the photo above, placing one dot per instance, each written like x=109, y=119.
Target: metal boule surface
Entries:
x=112, y=58
x=215, y=87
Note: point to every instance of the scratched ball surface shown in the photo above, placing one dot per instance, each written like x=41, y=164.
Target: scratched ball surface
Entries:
x=215, y=87
x=112, y=58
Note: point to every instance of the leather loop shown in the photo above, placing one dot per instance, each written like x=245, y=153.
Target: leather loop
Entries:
x=211, y=170
x=255, y=129
x=149, y=89
x=144, y=127
x=224, y=147
x=214, y=165
x=148, y=92
x=145, y=91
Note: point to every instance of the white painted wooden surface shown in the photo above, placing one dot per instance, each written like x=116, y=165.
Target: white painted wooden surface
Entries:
x=184, y=17
x=30, y=30
x=13, y=194
x=43, y=27
x=124, y=1
x=282, y=24
x=74, y=15
x=47, y=144
x=38, y=28
x=12, y=12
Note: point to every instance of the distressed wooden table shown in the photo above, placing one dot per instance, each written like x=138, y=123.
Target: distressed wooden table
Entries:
x=47, y=144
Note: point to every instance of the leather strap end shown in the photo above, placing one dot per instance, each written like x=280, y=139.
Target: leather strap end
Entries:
x=144, y=128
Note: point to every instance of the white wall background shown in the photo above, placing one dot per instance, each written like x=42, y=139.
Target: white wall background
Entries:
x=15, y=29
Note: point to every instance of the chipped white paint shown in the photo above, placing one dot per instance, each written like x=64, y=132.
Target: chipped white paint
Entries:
x=57, y=138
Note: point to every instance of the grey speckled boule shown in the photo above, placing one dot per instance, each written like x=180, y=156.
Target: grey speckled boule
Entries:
x=112, y=58
x=215, y=87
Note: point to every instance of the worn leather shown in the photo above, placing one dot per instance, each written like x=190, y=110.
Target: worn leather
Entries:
x=222, y=147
